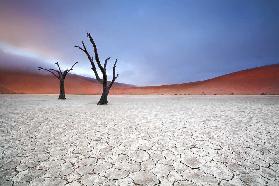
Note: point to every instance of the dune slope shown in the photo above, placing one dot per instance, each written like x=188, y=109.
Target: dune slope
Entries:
x=260, y=80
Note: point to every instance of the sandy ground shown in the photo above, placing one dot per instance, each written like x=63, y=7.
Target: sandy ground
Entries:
x=139, y=140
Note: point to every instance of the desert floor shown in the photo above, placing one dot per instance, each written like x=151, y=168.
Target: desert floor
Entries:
x=139, y=140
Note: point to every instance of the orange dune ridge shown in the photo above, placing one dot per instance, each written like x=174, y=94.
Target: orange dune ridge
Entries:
x=255, y=81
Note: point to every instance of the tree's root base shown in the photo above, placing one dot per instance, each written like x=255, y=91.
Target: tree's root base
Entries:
x=102, y=103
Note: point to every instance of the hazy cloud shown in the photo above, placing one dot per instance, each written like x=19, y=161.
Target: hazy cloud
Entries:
x=156, y=42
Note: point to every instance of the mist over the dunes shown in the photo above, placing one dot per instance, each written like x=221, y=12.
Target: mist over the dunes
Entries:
x=156, y=42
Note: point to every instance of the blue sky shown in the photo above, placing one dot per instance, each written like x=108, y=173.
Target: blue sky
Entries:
x=156, y=42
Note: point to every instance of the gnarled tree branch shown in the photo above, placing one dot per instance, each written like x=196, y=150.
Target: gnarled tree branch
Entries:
x=51, y=71
x=58, y=67
x=91, y=59
x=97, y=59
x=114, y=75
x=106, y=61
x=68, y=70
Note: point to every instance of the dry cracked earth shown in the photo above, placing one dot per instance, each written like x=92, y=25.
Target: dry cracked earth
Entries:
x=139, y=140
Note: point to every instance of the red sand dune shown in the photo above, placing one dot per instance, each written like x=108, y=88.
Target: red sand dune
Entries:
x=22, y=82
x=261, y=80
x=4, y=90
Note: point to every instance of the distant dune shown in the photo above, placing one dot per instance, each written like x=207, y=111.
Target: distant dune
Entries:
x=261, y=80
x=22, y=82
x=4, y=90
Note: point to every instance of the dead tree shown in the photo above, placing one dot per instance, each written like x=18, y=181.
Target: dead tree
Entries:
x=103, y=68
x=61, y=76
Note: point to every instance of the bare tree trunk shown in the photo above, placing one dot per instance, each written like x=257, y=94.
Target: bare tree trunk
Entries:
x=104, y=98
x=62, y=90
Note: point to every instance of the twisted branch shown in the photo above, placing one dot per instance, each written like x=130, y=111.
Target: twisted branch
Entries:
x=93, y=67
x=58, y=73
x=51, y=71
x=68, y=70
x=115, y=76
x=97, y=59
x=106, y=61
x=58, y=67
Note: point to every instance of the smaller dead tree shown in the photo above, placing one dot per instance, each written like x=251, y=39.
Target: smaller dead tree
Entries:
x=103, y=68
x=61, y=76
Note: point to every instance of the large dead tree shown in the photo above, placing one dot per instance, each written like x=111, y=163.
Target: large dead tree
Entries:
x=61, y=76
x=95, y=61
